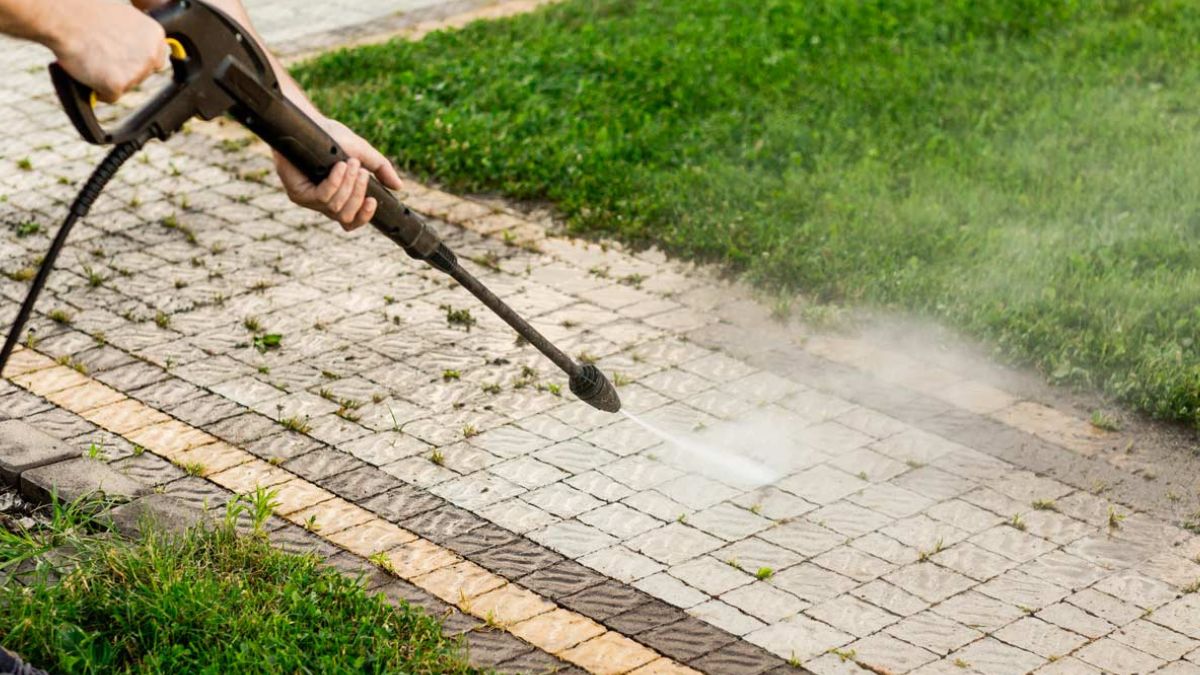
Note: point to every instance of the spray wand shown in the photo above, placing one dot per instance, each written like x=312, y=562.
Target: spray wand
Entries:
x=217, y=69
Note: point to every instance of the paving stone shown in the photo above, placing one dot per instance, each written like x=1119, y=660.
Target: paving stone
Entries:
x=489, y=648
x=243, y=429
x=933, y=632
x=198, y=493
x=619, y=520
x=991, y=656
x=1065, y=570
x=803, y=537
x=851, y=615
x=1182, y=615
x=883, y=652
x=979, y=611
x=885, y=548
x=728, y=522
x=929, y=581
x=667, y=588
x=1012, y=543
x=621, y=564
x=970, y=560
x=764, y=601
x=510, y=604
x=737, y=658
x=63, y=424
x=1119, y=659
x=1023, y=590
x=599, y=486
x=853, y=563
x=934, y=483
x=385, y=447
x=561, y=579
x=148, y=469
x=73, y=479
x=1105, y=606
x=444, y=523
x=604, y=600
x=695, y=492
x=322, y=463
x=1136, y=589
x=203, y=410
x=1076, y=620
x=24, y=447
x=1155, y=640
x=848, y=519
x=562, y=500
x=282, y=446
x=371, y=537
x=963, y=515
x=557, y=630
x=798, y=638
x=359, y=484
x=517, y=516
x=402, y=504
x=572, y=538
x=711, y=575
x=1039, y=637
x=656, y=505
x=891, y=500
x=686, y=640
x=155, y=512
x=822, y=484
x=576, y=456
x=674, y=543
x=773, y=503
x=811, y=583
x=296, y=540
x=533, y=661
x=725, y=617
x=476, y=490
x=924, y=533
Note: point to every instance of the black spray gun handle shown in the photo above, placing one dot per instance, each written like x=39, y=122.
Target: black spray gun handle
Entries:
x=296, y=136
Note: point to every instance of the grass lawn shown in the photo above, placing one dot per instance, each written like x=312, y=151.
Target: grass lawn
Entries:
x=211, y=601
x=1024, y=169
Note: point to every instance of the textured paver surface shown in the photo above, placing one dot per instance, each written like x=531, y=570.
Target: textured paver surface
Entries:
x=921, y=513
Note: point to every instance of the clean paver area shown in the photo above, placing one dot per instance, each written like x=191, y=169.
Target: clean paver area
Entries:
x=915, y=519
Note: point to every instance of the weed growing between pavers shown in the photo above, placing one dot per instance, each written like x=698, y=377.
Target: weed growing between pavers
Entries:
x=1024, y=169
x=210, y=600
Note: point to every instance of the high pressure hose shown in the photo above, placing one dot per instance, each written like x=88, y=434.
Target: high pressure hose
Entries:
x=79, y=208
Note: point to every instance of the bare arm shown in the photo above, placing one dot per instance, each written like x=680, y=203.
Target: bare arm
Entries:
x=108, y=46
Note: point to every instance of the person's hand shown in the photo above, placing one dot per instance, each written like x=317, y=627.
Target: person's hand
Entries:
x=108, y=46
x=343, y=194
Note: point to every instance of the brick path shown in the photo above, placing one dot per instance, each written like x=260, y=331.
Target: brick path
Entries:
x=926, y=520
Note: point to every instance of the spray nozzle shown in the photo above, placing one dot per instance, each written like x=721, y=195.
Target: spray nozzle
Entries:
x=593, y=388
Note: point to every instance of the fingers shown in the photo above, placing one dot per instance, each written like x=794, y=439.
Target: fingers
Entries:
x=365, y=214
x=350, y=209
x=324, y=193
x=379, y=165
x=335, y=204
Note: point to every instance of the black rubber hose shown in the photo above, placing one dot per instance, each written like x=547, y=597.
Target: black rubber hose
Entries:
x=79, y=208
x=11, y=664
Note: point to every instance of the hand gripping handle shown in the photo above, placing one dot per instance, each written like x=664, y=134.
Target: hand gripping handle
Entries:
x=304, y=143
x=79, y=102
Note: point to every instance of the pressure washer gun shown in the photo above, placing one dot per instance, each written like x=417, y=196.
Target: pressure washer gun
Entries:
x=218, y=69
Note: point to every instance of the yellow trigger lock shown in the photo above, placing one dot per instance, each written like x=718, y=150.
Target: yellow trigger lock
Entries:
x=177, y=51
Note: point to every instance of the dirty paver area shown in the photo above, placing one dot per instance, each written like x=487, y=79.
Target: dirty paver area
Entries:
x=912, y=526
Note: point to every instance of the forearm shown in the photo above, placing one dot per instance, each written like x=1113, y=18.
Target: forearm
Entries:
x=37, y=20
